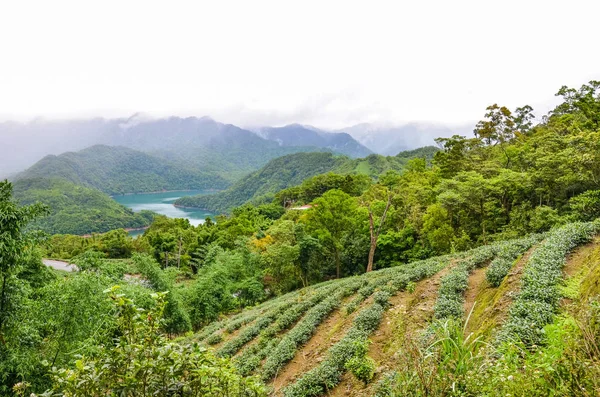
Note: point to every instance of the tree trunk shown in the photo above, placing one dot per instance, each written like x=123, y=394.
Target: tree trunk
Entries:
x=375, y=234
x=337, y=263
x=371, y=254
x=179, y=255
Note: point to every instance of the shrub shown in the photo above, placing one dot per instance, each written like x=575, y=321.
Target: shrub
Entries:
x=144, y=361
x=535, y=305
x=288, y=345
x=361, y=366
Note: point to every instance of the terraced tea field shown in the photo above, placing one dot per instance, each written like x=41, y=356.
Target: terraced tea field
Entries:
x=348, y=336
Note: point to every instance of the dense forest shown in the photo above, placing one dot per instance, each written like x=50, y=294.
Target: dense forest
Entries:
x=118, y=170
x=287, y=171
x=481, y=201
x=76, y=209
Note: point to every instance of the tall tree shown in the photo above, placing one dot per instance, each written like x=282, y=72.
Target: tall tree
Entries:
x=498, y=128
x=13, y=246
x=378, y=200
x=331, y=216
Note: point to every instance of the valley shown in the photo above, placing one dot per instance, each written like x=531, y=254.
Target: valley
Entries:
x=470, y=268
x=163, y=203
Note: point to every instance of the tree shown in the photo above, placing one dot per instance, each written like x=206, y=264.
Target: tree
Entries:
x=584, y=104
x=497, y=127
x=331, y=216
x=377, y=200
x=144, y=362
x=523, y=119
x=13, y=247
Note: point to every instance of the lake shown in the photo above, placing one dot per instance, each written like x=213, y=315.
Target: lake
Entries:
x=162, y=203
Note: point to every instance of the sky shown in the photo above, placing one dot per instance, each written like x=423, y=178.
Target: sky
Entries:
x=327, y=63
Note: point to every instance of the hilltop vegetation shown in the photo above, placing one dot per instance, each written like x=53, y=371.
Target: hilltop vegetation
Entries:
x=259, y=185
x=485, y=281
x=75, y=209
x=263, y=185
x=117, y=170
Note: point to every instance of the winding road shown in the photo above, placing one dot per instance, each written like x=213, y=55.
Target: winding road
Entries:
x=60, y=265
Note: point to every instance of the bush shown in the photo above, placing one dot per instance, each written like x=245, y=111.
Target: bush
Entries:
x=176, y=320
x=535, y=305
x=298, y=335
x=361, y=366
x=145, y=361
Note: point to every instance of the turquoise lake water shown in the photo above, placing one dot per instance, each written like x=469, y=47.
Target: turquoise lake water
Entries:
x=162, y=203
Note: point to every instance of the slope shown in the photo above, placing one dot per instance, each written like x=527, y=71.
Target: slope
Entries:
x=299, y=135
x=288, y=171
x=276, y=175
x=307, y=343
x=116, y=170
x=76, y=209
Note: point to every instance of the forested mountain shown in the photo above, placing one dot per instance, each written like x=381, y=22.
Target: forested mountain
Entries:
x=116, y=170
x=476, y=273
x=300, y=135
x=278, y=174
x=262, y=185
x=194, y=143
x=75, y=209
x=390, y=140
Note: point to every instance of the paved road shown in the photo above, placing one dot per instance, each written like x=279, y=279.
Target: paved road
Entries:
x=60, y=265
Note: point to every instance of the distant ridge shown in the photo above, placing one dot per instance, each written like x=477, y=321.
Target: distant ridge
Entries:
x=301, y=135
x=390, y=140
x=116, y=170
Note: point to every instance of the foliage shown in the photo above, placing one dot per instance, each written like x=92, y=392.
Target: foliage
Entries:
x=443, y=365
x=538, y=299
x=118, y=170
x=176, y=320
x=332, y=215
x=143, y=362
x=76, y=209
x=506, y=256
x=361, y=366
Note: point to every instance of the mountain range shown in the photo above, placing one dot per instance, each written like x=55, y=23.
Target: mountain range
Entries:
x=226, y=150
x=390, y=140
x=301, y=135
x=118, y=170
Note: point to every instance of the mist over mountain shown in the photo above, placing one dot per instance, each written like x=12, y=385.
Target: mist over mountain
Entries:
x=203, y=143
x=391, y=140
x=301, y=135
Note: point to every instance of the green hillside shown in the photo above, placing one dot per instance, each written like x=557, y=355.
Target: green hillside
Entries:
x=76, y=209
x=476, y=273
x=358, y=336
x=116, y=170
x=276, y=175
x=284, y=172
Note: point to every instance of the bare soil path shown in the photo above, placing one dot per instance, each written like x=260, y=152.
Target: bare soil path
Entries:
x=60, y=265
x=490, y=305
x=408, y=314
x=313, y=352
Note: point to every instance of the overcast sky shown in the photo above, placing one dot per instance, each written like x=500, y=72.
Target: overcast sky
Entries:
x=327, y=63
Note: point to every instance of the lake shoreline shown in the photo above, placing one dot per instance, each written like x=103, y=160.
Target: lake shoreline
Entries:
x=165, y=191
x=127, y=229
x=163, y=204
